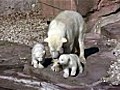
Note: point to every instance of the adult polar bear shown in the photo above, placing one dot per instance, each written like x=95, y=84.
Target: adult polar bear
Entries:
x=64, y=34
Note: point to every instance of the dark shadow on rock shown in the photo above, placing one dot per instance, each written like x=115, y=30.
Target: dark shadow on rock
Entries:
x=47, y=62
x=48, y=22
x=91, y=51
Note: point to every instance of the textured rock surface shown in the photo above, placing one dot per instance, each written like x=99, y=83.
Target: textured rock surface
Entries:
x=103, y=9
x=114, y=69
x=26, y=32
x=97, y=67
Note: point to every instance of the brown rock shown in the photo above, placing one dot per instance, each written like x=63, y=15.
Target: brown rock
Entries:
x=114, y=30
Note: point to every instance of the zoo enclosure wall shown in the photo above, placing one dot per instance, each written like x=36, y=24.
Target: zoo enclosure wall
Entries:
x=43, y=8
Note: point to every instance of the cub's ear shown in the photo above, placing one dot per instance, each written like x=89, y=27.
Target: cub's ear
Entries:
x=46, y=40
x=64, y=40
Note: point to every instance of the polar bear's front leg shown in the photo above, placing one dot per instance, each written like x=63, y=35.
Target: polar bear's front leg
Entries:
x=81, y=45
x=66, y=73
x=73, y=71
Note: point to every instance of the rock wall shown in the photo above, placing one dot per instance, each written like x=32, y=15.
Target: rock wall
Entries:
x=11, y=6
x=25, y=17
x=96, y=10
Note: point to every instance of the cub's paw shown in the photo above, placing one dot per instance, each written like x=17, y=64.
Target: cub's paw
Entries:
x=73, y=73
x=40, y=66
x=65, y=75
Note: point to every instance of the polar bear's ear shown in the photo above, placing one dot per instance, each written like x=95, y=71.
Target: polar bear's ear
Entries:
x=64, y=40
x=46, y=40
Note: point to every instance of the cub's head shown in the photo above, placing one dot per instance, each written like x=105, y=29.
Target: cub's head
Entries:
x=39, y=55
x=56, y=67
x=55, y=44
x=64, y=59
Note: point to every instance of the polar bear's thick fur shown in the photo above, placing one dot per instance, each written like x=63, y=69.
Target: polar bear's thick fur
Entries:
x=70, y=61
x=64, y=33
x=38, y=55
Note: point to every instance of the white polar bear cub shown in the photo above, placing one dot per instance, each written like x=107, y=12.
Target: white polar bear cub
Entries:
x=38, y=55
x=70, y=61
x=64, y=33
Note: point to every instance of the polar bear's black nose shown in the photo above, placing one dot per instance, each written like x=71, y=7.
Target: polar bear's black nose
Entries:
x=58, y=63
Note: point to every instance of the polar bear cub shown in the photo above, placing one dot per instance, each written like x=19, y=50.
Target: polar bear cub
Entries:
x=38, y=55
x=70, y=61
x=65, y=33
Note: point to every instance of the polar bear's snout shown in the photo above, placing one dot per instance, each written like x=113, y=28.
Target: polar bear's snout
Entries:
x=55, y=54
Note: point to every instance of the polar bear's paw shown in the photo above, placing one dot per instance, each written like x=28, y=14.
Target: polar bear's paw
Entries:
x=83, y=60
x=56, y=67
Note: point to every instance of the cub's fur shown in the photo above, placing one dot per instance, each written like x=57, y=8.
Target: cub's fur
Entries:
x=70, y=61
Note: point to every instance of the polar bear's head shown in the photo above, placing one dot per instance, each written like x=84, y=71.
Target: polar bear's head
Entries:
x=55, y=44
x=64, y=59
